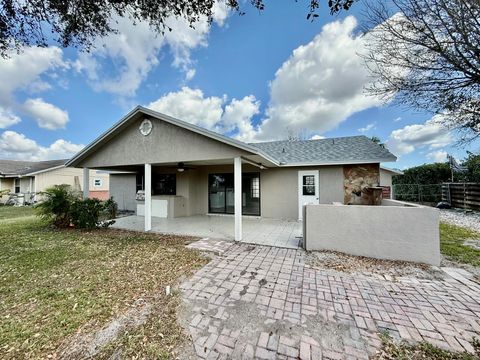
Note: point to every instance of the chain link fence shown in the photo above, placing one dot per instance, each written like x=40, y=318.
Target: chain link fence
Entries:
x=430, y=194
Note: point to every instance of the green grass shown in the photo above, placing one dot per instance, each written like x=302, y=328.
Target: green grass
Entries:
x=54, y=282
x=12, y=212
x=452, y=247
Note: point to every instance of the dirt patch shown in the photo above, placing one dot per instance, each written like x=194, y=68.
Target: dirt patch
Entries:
x=87, y=345
x=360, y=265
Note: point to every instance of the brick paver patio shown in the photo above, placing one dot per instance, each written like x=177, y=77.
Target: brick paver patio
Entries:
x=265, y=302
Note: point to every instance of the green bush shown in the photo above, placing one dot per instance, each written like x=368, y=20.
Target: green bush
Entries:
x=56, y=205
x=63, y=207
x=85, y=214
x=111, y=208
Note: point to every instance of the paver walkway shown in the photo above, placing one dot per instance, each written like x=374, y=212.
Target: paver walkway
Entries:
x=265, y=302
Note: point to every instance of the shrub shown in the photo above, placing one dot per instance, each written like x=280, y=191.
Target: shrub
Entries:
x=111, y=208
x=85, y=214
x=63, y=207
x=56, y=205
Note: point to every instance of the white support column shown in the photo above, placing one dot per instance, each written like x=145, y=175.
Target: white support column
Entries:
x=237, y=170
x=148, y=197
x=86, y=182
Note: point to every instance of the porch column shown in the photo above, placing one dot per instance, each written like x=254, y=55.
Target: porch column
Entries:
x=86, y=182
x=148, y=197
x=237, y=170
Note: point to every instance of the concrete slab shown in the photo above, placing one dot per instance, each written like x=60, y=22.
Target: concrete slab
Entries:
x=270, y=232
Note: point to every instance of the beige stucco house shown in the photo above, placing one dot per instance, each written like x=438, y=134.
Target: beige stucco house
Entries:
x=28, y=178
x=168, y=168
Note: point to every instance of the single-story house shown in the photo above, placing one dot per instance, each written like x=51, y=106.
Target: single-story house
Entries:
x=167, y=167
x=27, y=178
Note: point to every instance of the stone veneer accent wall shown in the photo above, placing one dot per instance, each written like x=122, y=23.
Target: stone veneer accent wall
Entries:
x=356, y=179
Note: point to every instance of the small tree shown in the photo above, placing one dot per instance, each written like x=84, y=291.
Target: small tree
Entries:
x=426, y=54
x=56, y=205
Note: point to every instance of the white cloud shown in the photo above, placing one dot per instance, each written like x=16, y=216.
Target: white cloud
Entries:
x=431, y=134
x=214, y=113
x=190, y=105
x=397, y=119
x=317, y=137
x=320, y=85
x=24, y=70
x=238, y=117
x=7, y=118
x=438, y=156
x=47, y=116
x=17, y=146
x=120, y=62
x=368, y=127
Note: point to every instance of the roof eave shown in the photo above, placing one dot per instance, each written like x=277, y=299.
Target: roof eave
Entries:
x=44, y=170
x=340, y=162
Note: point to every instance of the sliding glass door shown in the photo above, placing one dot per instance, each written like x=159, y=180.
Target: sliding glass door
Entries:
x=221, y=199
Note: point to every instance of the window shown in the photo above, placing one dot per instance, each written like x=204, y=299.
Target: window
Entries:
x=255, y=187
x=308, y=185
x=164, y=184
x=17, y=186
x=97, y=182
x=221, y=197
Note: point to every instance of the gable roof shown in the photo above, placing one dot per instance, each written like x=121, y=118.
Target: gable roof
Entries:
x=14, y=168
x=183, y=124
x=342, y=150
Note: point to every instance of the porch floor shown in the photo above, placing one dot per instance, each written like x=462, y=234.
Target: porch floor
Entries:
x=271, y=232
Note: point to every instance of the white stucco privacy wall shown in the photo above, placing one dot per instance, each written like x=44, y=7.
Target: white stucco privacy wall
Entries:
x=393, y=231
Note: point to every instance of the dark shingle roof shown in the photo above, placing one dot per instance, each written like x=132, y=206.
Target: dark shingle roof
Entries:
x=16, y=167
x=326, y=151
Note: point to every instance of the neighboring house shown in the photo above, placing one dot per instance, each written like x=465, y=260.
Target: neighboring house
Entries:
x=179, y=169
x=386, y=175
x=27, y=178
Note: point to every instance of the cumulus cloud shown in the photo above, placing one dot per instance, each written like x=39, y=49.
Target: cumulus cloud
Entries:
x=431, y=135
x=17, y=146
x=120, y=62
x=7, y=118
x=367, y=128
x=438, y=156
x=191, y=105
x=320, y=85
x=47, y=116
x=26, y=71
x=213, y=113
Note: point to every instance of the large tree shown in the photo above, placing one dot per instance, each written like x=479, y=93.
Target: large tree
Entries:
x=426, y=54
x=79, y=22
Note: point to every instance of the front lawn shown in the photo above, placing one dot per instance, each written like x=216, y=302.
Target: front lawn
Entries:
x=55, y=282
x=452, y=244
x=12, y=212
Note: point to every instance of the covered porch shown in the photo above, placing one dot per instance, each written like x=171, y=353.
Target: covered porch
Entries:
x=271, y=232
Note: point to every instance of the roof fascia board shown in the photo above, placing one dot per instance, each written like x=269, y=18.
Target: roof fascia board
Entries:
x=374, y=161
x=44, y=170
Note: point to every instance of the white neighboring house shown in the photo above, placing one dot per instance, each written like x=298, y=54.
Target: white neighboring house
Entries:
x=27, y=178
x=386, y=175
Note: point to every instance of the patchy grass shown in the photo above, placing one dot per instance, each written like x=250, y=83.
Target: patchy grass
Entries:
x=451, y=244
x=12, y=212
x=392, y=350
x=55, y=282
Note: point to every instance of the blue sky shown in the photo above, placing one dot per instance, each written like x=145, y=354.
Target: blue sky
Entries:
x=257, y=77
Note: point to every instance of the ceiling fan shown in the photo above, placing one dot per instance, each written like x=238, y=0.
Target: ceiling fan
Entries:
x=181, y=167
